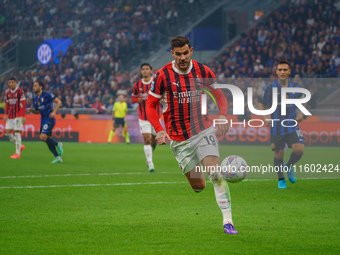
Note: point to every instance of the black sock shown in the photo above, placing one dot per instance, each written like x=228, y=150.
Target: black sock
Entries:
x=294, y=158
x=153, y=146
x=278, y=163
x=51, y=145
x=52, y=141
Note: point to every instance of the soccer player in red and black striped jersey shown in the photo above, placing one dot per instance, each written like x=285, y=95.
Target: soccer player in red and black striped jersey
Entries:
x=139, y=95
x=180, y=85
x=15, y=115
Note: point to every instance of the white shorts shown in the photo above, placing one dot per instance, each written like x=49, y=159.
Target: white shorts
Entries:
x=190, y=152
x=146, y=127
x=14, y=124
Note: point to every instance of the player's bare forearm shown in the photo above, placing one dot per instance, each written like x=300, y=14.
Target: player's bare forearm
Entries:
x=151, y=112
x=57, y=100
x=53, y=113
x=161, y=136
x=300, y=116
x=31, y=110
x=266, y=118
x=223, y=128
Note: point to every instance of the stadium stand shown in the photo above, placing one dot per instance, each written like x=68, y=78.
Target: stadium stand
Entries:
x=304, y=32
x=111, y=32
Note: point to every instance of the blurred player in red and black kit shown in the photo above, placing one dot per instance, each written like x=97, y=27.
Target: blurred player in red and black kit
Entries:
x=15, y=115
x=139, y=95
x=180, y=85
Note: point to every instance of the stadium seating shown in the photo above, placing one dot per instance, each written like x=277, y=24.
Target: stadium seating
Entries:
x=304, y=32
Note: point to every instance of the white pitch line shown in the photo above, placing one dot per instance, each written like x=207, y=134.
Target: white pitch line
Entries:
x=129, y=173
x=310, y=178
x=90, y=185
x=70, y=175
x=131, y=184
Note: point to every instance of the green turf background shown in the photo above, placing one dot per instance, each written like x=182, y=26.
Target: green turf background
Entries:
x=51, y=209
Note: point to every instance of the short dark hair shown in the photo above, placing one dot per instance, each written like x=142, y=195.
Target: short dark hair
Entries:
x=12, y=79
x=179, y=41
x=41, y=84
x=145, y=64
x=284, y=62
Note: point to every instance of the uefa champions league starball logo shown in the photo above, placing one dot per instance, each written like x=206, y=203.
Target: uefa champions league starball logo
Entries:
x=44, y=53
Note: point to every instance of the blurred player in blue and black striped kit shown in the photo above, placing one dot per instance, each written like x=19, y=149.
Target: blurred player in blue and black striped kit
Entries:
x=43, y=104
x=290, y=133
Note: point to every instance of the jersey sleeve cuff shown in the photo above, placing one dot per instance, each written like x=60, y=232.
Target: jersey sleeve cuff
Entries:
x=223, y=114
x=154, y=94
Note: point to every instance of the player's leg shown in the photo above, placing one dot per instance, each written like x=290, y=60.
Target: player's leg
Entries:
x=222, y=192
x=296, y=142
x=45, y=136
x=153, y=142
x=146, y=130
x=277, y=145
x=196, y=178
x=112, y=132
x=125, y=133
x=148, y=151
x=153, y=138
x=18, y=126
x=18, y=146
x=208, y=155
x=9, y=127
x=189, y=154
x=185, y=153
x=278, y=164
x=50, y=143
x=13, y=139
x=9, y=135
x=295, y=156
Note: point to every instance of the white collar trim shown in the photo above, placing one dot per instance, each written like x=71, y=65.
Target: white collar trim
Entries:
x=14, y=90
x=179, y=71
x=147, y=82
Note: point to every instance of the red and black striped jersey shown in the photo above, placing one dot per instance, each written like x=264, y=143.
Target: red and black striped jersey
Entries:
x=140, y=90
x=181, y=95
x=15, y=103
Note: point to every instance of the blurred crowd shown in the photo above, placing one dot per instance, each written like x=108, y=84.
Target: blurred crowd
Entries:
x=306, y=33
x=90, y=74
x=119, y=27
x=108, y=32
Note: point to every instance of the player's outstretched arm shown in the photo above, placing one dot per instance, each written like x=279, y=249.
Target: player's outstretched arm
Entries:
x=31, y=110
x=6, y=111
x=300, y=116
x=222, y=104
x=137, y=99
x=266, y=118
x=151, y=112
x=223, y=128
x=22, y=111
x=56, y=100
x=160, y=137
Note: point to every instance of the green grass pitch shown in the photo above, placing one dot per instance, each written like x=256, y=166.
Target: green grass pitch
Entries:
x=102, y=200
